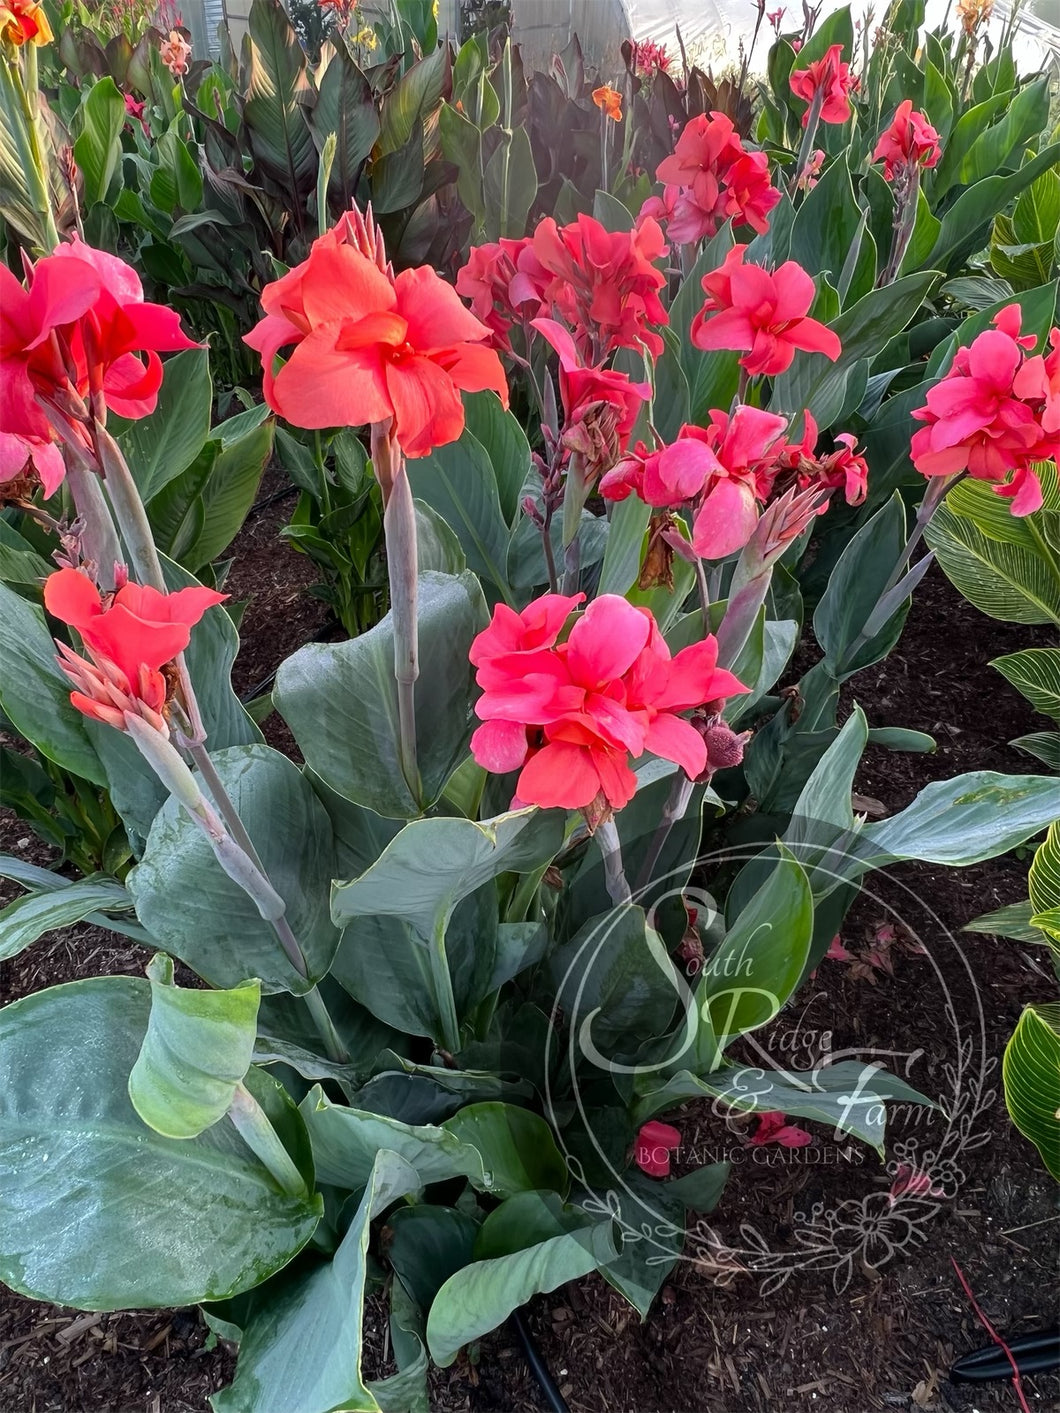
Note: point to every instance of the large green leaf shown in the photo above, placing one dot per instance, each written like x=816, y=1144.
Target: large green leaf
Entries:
x=97, y=151
x=433, y=864
x=458, y=480
x=964, y=820
x=346, y=107
x=35, y=695
x=1043, y=885
x=345, y=1142
x=340, y=700
x=762, y=957
x=278, y=93
x=965, y=223
x=162, y=445
x=198, y=1048
x=1036, y=673
x=301, y=1345
x=200, y=915
x=518, y=1150
x=503, y=440
x=481, y=1296
x=1012, y=921
x=1031, y=1071
x=96, y=1210
x=855, y=586
x=26, y=919
x=1003, y=579
x=414, y=98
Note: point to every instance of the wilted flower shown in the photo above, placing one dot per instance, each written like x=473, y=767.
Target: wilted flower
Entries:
x=831, y=78
x=129, y=635
x=995, y=413
x=175, y=53
x=26, y=460
x=570, y=715
x=812, y=170
x=764, y=314
x=609, y=101
x=973, y=13
x=773, y=1127
x=371, y=346
x=910, y=141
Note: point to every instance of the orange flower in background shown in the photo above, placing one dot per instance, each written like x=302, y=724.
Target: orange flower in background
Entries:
x=175, y=53
x=24, y=22
x=609, y=101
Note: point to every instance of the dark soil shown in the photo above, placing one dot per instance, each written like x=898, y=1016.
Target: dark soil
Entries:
x=880, y=1336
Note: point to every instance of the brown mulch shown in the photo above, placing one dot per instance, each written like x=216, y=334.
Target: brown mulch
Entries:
x=714, y=1341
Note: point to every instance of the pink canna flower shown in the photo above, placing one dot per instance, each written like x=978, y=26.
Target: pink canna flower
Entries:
x=134, y=111
x=505, y=286
x=710, y=178
x=77, y=331
x=913, y=1183
x=655, y=1142
x=994, y=414
x=910, y=141
x=837, y=952
x=570, y=715
x=830, y=78
x=762, y=314
x=773, y=1127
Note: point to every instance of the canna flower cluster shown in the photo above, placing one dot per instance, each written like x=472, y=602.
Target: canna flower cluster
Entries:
x=709, y=179
x=130, y=636
x=829, y=82
x=649, y=58
x=570, y=715
x=909, y=142
x=74, y=335
x=371, y=346
x=995, y=413
x=604, y=285
x=761, y=313
x=726, y=472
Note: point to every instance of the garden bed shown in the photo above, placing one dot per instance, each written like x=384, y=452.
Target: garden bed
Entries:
x=712, y=1342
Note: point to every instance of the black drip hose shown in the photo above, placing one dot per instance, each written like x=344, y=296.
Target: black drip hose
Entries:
x=1034, y=1354
x=540, y=1370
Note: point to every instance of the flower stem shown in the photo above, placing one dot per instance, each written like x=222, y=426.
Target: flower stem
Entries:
x=100, y=546
x=806, y=146
x=129, y=511
x=904, y=225
x=443, y=991
x=673, y=812
x=614, y=872
x=399, y=528
x=258, y=1134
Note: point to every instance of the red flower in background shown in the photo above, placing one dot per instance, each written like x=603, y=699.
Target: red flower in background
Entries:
x=655, y=1142
x=773, y=1127
x=831, y=78
x=763, y=314
x=505, y=285
x=129, y=635
x=79, y=327
x=648, y=57
x=572, y=714
x=370, y=347
x=995, y=413
x=910, y=141
x=710, y=178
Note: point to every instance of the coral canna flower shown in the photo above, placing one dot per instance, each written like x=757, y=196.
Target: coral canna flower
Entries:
x=129, y=636
x=831, y=77
x=175, y=53
x=570, y=715
x=910, y=141
x=709, y=178
x=370, y=347
x=609, y=101
x=24, y=22
x=763, y=314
